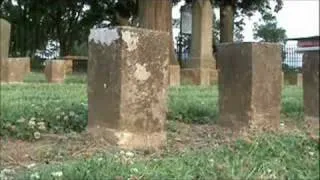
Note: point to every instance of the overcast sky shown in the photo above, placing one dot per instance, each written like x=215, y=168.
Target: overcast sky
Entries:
x=300, y=18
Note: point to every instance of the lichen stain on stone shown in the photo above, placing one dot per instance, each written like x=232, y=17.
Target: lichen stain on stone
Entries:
x=104, y=35
x=141, y=73
x=131, y=39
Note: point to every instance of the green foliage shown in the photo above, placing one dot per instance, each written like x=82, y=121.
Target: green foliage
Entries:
x=63, y=108
x=269, y=30
x=270, y=156
x=35, y=23
x=193, y=105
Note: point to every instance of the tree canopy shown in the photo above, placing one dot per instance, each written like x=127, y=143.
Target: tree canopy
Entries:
x=268, y=30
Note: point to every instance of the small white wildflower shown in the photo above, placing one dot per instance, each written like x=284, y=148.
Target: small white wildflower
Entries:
x=33, y=119
x=269, y=170
x=121, y=152
x=311, y=153
x=129, y=154
x=31, y=165
x=100, y=159
x=58, y=117
x=211, y=160
x=62, y=113
x=32, y=123
x=282, y=124
x=134, y=170
x=41, y=125
x=71, y=113
x=21, y=120
x=7, y=171
x=35, y=176
x=37, y=135
x=57, y=174
x=66, y=118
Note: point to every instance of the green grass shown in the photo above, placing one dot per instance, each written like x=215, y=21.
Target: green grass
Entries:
x=288, y=156
x=63, y=108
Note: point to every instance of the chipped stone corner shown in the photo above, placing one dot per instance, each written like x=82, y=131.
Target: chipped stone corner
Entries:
x=104, y=36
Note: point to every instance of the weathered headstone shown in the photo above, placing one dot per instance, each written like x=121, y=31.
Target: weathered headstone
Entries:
x=282, y=79
x=299, y=79
x=127, y=86
x=5, y=29
x=310, y=72
x=68, y=66
x=55, y=71
x=199, y=70
x=16, y=70
x=250, y=85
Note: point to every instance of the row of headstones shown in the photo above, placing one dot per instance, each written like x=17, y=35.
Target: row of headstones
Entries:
x=127, y=85
x=128, y=82
x=14, y=69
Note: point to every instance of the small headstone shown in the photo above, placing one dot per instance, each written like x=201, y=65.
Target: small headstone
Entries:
x=310, y=83
x=299, y=79
x=5, y=29
x=55, y=71
x=250, y=85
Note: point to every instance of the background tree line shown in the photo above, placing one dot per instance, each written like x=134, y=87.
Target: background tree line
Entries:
x=37, y=23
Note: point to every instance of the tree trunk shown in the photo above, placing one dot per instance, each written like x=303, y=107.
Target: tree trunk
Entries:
x=156, y=15
x=227, y=10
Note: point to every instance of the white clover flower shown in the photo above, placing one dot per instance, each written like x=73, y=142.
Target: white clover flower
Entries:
x=134, y=170
x=31, y=165
x=66, y=118
x=33, y=119
x=57, y=174
x=21, y=120
x=35, y=176
x=42, y=127
x=32, y=123
x=71, y=113
x=129, y=154
x=37, y=135
x=40, y=123
x=58, y=117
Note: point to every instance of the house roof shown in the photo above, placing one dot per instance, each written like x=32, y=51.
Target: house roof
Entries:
x=303, y=38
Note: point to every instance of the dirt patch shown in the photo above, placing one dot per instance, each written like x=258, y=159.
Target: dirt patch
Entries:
x=180, y=137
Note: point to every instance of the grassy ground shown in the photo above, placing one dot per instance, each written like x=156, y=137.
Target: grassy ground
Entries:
x=196, y=149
